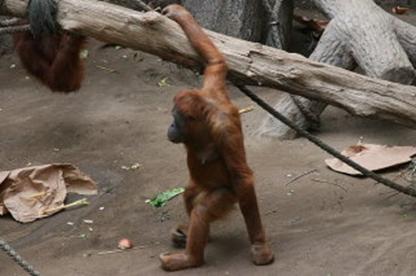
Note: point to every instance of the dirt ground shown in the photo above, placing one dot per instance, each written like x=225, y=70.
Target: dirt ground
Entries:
x=322, y=224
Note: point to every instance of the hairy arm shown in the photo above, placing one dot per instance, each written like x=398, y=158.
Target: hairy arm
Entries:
x=216, y=68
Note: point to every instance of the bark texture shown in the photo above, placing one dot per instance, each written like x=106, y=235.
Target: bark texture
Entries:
x=5, y=42
x=279, y=24
x=359, y=34
x=244, y=19
x=249, y=63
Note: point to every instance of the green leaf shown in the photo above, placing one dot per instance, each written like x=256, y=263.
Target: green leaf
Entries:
x=162, y=199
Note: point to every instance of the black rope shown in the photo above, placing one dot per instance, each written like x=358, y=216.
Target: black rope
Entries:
x=17, y=258
x=387, y=182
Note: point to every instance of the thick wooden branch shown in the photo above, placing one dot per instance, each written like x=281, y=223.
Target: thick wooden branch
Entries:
x=250, y=63
x=360, y=34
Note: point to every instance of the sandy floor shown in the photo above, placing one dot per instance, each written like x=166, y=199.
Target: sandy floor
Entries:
x=322, y=224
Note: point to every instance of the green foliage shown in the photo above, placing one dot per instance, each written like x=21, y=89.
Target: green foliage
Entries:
x=162, y=199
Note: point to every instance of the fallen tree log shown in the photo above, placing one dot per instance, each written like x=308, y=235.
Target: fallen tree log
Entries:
x=361, y=34
x=250, y=63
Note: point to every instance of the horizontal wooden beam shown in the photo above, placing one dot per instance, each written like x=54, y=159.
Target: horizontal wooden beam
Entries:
x=249, y=63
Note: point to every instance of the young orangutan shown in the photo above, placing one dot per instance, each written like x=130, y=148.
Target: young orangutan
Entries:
x=209, y=126
x=50, y=56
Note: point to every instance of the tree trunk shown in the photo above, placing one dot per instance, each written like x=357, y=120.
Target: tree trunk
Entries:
x=249, y=63
x=360, y=33
x=131, y=4
x=238, y=18
x=267, y=21
x=6, y=44
x=279, y=25
x=135, y=5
